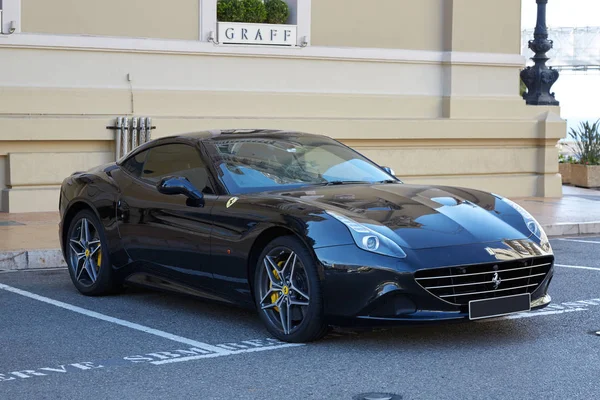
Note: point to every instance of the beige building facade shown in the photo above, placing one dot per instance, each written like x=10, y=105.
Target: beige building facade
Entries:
x=429, y=88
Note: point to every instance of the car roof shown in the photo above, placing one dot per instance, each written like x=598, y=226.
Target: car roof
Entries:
x=194, y=138
x=227, y=134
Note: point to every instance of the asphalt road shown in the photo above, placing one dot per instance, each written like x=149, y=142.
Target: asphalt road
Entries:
x=57, y=344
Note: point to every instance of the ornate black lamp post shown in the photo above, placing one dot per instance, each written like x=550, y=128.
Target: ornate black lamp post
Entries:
x=539, y=78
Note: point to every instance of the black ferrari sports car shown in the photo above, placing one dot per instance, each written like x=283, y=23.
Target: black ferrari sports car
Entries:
x=304, y=229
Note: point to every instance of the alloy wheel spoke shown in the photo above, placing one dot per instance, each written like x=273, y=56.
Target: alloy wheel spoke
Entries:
x=293, y=269
x=267, y=295
x=78, y=254
x=79, y=268
x=272, y=264
x=288, y=313
x=76, y=243
x=295, y=302
x=269, y=266
x=292, y=257
x=96, y=248
x=284, y=317
x=91, y=271
x=85, y=231
x=300, y=292
x=268, y=306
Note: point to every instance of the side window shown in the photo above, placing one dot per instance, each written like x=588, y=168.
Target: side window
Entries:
x=134, y=164
x=177, y=160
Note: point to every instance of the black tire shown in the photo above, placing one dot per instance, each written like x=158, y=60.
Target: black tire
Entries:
x=103, y=282
x=312, y=325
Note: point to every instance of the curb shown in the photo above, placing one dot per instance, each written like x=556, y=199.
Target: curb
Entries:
x=53, y=258
x=31, y=259
x=570, y=228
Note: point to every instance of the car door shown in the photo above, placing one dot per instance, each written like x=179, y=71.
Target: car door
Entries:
x=162, y=232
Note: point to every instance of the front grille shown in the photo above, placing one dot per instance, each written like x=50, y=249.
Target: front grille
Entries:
x=461, y=284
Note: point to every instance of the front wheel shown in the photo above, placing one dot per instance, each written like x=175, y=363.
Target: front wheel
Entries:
x=87, y=255
x=288, y=292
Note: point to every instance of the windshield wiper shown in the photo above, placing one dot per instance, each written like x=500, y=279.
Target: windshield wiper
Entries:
x=333, y=183
x=388, y=181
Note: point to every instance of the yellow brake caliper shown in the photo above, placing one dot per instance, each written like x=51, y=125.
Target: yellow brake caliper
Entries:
x=275, y=296
x=99, y=259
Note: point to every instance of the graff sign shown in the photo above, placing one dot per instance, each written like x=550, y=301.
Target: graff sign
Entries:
x=266, y=34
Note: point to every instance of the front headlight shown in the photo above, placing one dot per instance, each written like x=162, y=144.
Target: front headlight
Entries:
x=532, y=225
x=368, y=239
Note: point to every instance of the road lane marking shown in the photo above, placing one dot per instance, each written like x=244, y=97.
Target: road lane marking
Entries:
x=117, y=321
x=551, y=309
x=154, y=358
x=579, y=241
x=577, y=267
x=253, y=350
x=540, y=313
x=246, y=346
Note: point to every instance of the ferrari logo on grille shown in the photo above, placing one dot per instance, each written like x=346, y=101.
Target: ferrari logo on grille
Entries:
x=496, y=280
x=231, y=201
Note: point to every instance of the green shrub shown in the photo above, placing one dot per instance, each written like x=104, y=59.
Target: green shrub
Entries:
x=587, y=143
x=522, y=88
x=277, y=11
x=230, y=11
x=254, y=11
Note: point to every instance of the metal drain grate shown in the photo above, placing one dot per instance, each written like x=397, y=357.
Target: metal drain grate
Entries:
x=377, y=396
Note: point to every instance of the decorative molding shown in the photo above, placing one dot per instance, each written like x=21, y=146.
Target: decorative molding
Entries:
x=118, y=44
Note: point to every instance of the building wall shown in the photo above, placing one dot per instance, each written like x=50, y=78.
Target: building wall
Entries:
x=173, y=19
x=394, y=24
x=484, y=26
x=438, y=109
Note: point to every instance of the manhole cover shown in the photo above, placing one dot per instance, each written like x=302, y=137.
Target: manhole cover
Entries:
x=377, y=396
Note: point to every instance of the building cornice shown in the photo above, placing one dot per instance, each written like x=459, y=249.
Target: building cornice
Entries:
x=158, y=46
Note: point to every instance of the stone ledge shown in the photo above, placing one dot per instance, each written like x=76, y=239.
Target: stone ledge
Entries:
x=570, y=228
x=31, y=259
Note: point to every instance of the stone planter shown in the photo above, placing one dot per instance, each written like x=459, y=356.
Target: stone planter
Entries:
x=565, y=171
x=587, y=176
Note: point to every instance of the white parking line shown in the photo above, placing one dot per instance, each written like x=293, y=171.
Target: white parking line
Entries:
x=117, y=321
x=552, y=309
x=199, y=357
x=577, y=267
x=579, y=241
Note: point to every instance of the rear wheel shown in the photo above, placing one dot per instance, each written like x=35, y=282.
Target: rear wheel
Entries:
x=87, y=255
x=288, y=292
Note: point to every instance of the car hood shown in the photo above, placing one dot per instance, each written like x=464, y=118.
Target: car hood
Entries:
x=421, y=216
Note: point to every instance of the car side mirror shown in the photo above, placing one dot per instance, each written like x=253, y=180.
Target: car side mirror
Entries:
x=179, y=185
x=389, y=170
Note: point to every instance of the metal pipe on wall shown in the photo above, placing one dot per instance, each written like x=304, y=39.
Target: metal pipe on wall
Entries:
x=142, y=130
x=134, y=133
x=118, y=132
x=148, y=129
x=125, y=139
x=130, y=133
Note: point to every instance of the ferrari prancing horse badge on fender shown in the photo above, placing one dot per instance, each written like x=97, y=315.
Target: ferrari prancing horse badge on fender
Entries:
x=231, y=201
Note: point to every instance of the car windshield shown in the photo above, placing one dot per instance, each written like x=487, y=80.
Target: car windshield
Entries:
x=247, y=165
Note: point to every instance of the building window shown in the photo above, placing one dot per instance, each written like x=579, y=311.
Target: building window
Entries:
x=10, y=16
x=236, y=33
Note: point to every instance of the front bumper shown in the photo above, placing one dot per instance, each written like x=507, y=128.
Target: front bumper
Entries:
x=362, y=287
